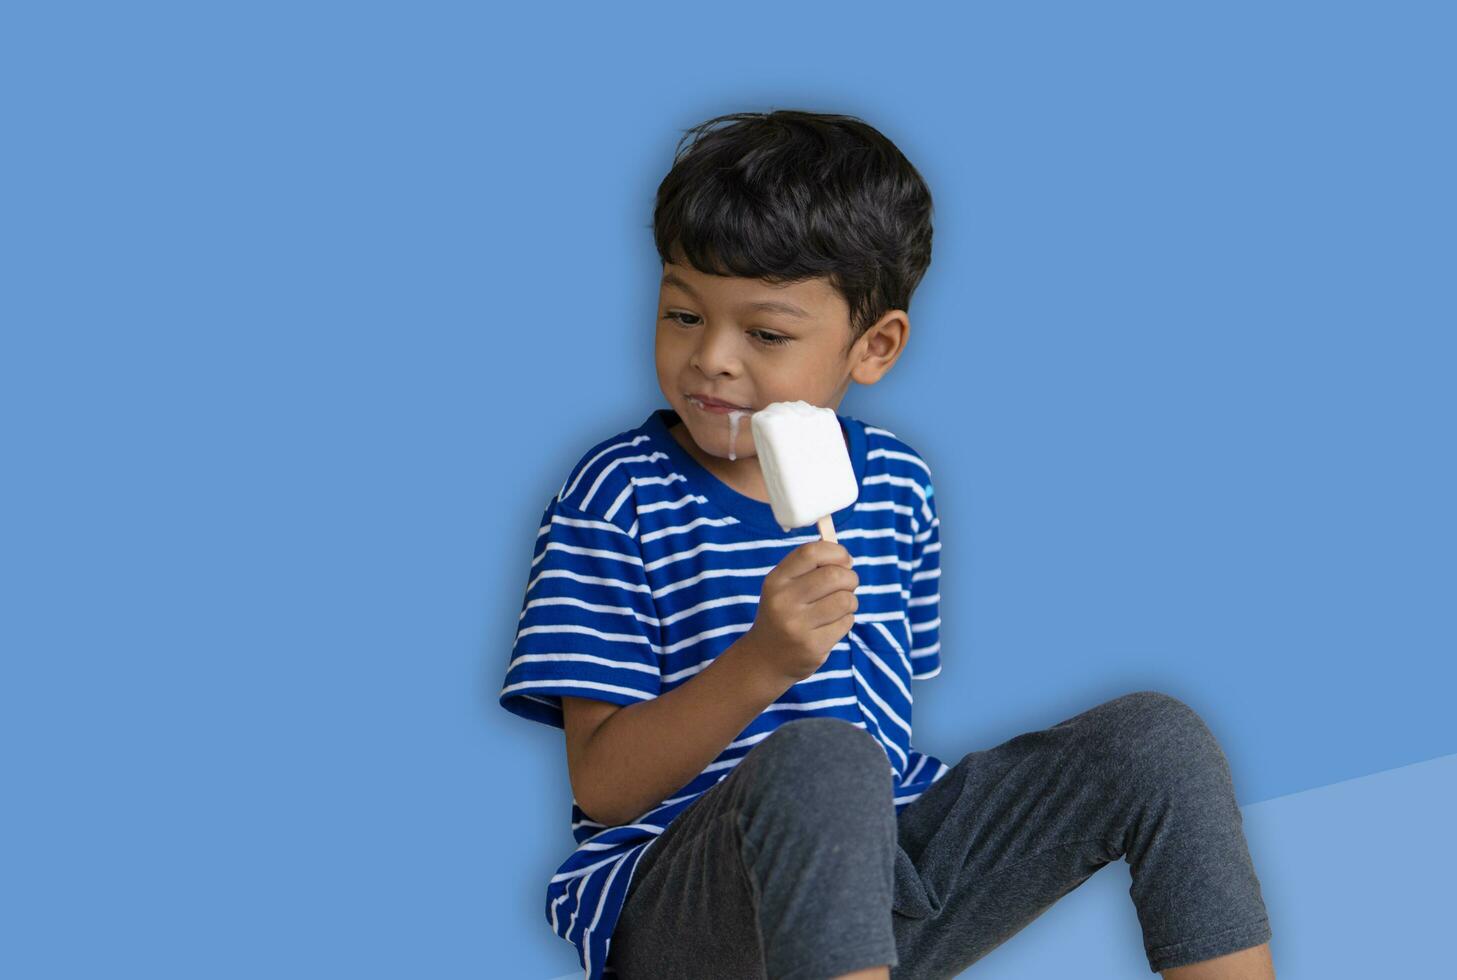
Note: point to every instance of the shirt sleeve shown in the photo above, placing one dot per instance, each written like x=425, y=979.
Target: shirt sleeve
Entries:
x=588, y=625
x=925, y=604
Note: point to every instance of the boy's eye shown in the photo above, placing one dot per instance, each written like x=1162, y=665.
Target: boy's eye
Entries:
x=764, y=336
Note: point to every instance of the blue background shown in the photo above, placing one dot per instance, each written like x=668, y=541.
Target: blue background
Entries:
x=308, y=309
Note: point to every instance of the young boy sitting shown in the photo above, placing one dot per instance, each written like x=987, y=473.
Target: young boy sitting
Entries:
x=736, y=699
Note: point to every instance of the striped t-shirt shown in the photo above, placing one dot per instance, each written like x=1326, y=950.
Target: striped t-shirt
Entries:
x=647, y=566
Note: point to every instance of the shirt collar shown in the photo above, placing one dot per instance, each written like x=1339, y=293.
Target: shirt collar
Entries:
x=755, y=513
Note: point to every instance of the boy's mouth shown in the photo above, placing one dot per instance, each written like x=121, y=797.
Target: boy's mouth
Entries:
x=714, y=405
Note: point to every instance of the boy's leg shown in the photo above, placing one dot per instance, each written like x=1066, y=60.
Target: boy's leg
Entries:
x=1011, y=829
x=785, y=869
x=1253, y=963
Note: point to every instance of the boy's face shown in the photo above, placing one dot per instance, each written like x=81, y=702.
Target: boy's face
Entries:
x=713, y=338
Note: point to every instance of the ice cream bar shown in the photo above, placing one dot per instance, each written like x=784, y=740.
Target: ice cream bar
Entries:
x=806, y=466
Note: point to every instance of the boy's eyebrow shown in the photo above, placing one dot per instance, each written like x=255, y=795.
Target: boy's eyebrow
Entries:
x=766, y=305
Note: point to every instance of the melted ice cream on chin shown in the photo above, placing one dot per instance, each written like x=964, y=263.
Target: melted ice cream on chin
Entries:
x=733, y=417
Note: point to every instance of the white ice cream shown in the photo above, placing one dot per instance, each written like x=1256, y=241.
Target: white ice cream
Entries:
x=806, y=466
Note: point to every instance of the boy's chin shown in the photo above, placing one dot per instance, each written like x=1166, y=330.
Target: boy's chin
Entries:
x=721, y=450
x=719, y=447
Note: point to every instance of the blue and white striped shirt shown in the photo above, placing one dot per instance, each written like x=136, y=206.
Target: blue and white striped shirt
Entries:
x=647, y=566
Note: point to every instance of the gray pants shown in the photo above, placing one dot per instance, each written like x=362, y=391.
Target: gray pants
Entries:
x=796, y=866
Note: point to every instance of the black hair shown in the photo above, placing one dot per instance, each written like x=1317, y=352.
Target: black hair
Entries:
x=789, y=195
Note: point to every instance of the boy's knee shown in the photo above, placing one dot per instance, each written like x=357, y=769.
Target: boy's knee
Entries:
x=822, y=741
x=826, y=756
x=812, y=770
x=1157, y=736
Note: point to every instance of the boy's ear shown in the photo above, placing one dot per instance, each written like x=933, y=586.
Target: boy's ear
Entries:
x=879, y=348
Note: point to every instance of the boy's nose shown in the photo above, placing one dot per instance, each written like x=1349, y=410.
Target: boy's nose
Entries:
x=714, y=354
x=713, y=363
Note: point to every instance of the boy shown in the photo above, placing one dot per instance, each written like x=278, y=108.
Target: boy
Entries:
x=736, y=699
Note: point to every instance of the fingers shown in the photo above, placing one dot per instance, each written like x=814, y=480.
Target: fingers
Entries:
x=815, y=554
x=835, y=608
x=825, y=581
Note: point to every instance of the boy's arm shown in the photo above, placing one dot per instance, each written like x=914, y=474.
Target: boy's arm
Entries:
x=623, y=760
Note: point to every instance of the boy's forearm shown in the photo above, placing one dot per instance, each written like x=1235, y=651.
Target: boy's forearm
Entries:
x=644, y=752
